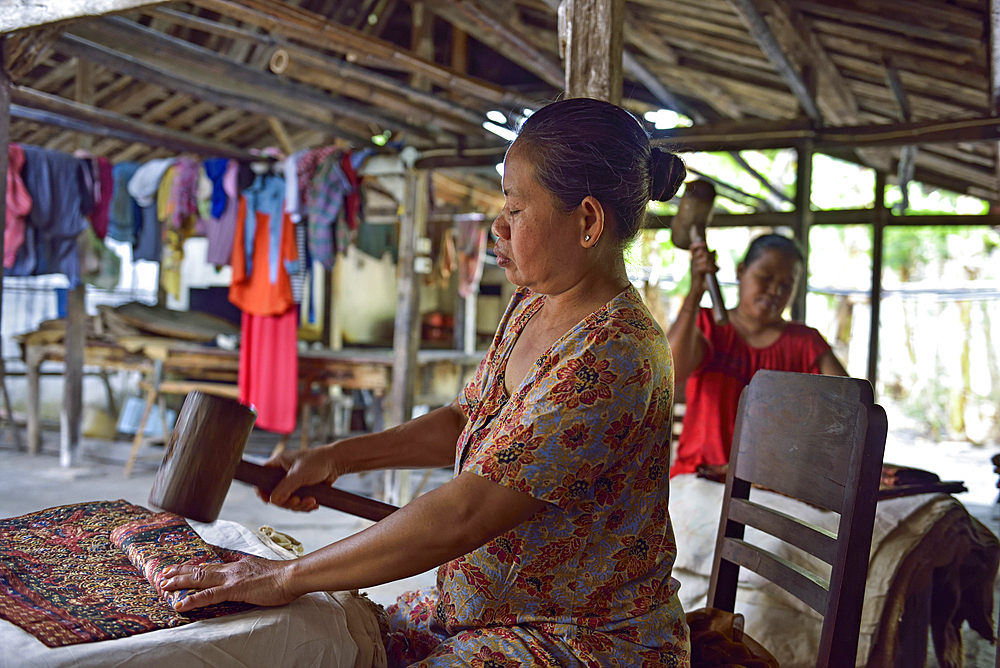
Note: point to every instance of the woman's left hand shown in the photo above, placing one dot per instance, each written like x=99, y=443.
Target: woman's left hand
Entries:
x=251, y=580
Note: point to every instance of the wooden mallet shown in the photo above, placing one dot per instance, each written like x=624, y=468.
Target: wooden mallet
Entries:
x=205, y=454
x=688, y=227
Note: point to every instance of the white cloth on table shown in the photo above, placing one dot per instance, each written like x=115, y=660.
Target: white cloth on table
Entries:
x=316, y=630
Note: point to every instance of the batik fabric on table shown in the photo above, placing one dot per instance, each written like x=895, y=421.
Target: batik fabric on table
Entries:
x=64, y=581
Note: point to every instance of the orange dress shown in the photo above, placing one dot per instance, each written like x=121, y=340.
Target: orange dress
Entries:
x=268, y=374
x=254, y=293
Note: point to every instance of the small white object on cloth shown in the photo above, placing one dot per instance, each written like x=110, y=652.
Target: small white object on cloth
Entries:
x=315, y=631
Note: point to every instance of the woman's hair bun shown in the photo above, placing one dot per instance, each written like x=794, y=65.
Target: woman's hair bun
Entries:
x=666, y=174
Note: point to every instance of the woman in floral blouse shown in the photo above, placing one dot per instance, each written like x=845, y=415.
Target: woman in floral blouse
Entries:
x=553, y=539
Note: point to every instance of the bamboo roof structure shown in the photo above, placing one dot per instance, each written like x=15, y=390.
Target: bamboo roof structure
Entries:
x=905, y=86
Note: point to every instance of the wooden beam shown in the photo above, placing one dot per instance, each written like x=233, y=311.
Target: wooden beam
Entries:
x=835, y=217
x=62, y=112
x=330, y=66
x=24, y=50
x=725, y=136
x=594, y=40
x=156, y=72
x=496, y=31
x=21, y=14
x=315, y=30
x=281, y=134
x=749, y=11
x=210, y=68
x=421, y=41
x=908, y=154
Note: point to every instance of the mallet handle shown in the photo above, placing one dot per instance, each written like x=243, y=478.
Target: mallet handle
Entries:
x=718, y=306
x=267, y=478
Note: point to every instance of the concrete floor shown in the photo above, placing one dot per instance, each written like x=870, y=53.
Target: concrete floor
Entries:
x=31, y=483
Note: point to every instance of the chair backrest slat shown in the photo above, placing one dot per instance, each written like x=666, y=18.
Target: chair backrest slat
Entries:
x=808, y=537
x=808, y=587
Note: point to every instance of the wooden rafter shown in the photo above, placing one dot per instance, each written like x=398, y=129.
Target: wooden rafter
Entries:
x=154, y=71
x=771, y=45
x=786, y=134
x=20, y=14
x=316, y=31
x=497, y=32
x=333, y=67
x=45, y=108
x=209, y=68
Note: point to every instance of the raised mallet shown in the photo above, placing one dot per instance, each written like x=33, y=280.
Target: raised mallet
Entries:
x=688, y=227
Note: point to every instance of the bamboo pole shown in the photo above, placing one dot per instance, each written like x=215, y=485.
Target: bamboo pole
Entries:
x=878, y=241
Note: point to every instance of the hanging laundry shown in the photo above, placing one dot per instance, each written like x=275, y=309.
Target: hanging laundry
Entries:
x=18, y=205
x=291, y=173
x=57, y=183
x=268, y=375
x=220, y=231
x=178, y=210
x=215, y=169
x=352, y=199
x=99, y=265
x=104, y=189
x=266, y=194
x=327, y=191
x=471, y=246
x=252, y=289
x=306, y=167
x=205, y=190
x=143, y=187
x=124, y=210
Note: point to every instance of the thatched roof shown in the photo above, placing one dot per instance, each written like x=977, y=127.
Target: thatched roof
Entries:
x=252, y=73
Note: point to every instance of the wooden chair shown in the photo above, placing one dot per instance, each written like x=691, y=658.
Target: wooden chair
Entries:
x=818, y=439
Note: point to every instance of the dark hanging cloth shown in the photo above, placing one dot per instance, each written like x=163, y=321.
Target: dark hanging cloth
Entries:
x=124, y=210
x=58, y=185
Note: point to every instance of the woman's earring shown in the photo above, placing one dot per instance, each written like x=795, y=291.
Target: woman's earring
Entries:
x=587, y=238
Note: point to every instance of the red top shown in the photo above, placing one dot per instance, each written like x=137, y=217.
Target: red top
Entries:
x=713, y=390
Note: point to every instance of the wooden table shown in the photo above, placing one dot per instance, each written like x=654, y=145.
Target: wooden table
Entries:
x=442, y=372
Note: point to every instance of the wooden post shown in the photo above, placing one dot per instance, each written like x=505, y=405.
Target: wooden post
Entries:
x=4, y=141
x=70, y=416
x=993, y=63
x=464, y=334
x=878, y=229
x=422, y=41
x=801, y=222
x=75, y=341
x=406, y=337
x=594, y=37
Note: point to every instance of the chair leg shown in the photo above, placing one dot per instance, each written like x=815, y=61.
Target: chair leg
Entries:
x=140, y=431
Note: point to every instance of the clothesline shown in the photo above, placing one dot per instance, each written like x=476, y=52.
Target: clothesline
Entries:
x=53, y=197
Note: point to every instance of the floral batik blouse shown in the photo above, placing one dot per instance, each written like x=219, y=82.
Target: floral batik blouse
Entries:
x=585, y=581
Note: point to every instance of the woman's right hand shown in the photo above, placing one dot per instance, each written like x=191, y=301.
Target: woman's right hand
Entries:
x=302, y=468
x=702, y=264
